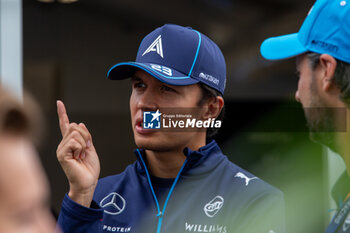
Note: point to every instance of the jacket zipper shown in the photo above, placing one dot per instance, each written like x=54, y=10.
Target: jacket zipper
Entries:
x=160, y=214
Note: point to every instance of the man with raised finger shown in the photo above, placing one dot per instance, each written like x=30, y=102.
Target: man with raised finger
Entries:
x=322, y=51
x=181, y=181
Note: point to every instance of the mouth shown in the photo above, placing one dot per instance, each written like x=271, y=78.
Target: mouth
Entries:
x=139, y=122
x=139, y=127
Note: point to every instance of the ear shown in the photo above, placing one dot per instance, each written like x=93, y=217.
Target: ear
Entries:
x=214, y=107
x=328, y=65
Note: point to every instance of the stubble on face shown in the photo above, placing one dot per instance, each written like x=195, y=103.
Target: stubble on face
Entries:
x=320, y=118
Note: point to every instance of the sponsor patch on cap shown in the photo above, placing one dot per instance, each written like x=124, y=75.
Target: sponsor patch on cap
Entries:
x=209, y=78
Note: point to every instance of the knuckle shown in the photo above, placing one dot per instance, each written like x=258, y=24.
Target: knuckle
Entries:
x=72, y=126
x=78, y=146
x=84, y=132
x=75, y=134
x=75, y=144
x=60, y=159
x=60, y=156
x=58, y=152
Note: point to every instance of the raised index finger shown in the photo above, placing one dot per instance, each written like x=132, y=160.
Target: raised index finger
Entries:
x=62, y=116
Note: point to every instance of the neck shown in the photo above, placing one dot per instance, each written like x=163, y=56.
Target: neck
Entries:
x=167, y=164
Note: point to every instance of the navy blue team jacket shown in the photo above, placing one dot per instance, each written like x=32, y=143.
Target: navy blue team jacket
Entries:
x=209, y=194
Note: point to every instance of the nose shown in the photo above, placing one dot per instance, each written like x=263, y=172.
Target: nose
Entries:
x=297, y=97
x=148, y=101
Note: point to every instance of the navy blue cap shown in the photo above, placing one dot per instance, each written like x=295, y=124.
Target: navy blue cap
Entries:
x=326, y=29
x=177, y=55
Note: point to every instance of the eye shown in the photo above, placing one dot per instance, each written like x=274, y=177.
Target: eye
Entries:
x=138, y=85
x=297, y=73
x=166, y=88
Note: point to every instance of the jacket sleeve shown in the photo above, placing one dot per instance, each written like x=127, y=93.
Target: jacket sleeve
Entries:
x=264, y=214
x=75, y=218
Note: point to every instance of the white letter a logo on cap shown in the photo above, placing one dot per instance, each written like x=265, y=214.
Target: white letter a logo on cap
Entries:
x=156, y=46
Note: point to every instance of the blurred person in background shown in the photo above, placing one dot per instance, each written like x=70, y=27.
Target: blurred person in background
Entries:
x=322, y=51
x=181, y=181
x=24, y=189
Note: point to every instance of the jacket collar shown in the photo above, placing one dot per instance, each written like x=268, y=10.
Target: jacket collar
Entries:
x=198, y=162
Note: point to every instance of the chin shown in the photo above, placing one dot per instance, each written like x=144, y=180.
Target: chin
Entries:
x=154, y=146
x=159, y=142
x=322, y=126
x=149, y=142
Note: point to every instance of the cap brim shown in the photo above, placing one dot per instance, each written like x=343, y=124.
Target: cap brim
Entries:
x=282, y=47
x=127, y=69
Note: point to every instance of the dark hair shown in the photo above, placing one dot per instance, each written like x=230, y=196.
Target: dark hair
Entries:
x=20, y=119
x=207, y=93
x=341, y=75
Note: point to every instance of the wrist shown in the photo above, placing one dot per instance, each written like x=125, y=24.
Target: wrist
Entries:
x=82, y=197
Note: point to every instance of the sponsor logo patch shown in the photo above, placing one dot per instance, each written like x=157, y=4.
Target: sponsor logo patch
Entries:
x=246, y=178
x=213, y=207
x=116, y=229
x=209, y=78
x=325, y=45
x=205, y=228
x=113, y=204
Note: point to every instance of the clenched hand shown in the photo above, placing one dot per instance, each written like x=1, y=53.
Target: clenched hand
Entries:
x=78, y=158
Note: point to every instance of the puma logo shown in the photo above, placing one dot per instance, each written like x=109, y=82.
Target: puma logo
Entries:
x=246, y=178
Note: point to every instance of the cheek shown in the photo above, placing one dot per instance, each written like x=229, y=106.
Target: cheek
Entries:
x=133, y=104
x=302, y=86
x=299, y=88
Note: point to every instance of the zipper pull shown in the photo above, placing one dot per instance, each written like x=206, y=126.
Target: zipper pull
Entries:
x=160, y=214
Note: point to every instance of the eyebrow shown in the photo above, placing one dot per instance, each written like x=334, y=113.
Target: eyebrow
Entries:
x=135, y=78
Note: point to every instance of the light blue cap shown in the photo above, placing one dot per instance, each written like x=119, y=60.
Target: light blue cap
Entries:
x=326, y=29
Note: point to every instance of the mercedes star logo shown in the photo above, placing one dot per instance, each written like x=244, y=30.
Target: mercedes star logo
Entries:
x=113, y=204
